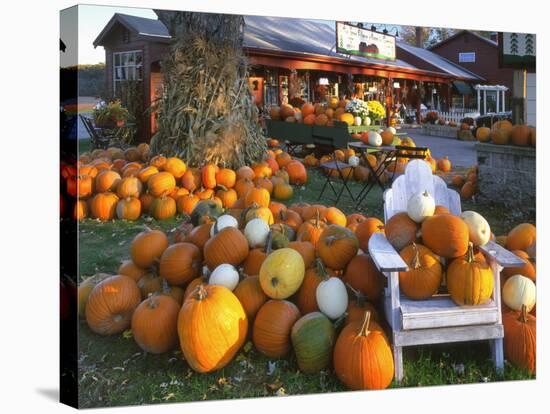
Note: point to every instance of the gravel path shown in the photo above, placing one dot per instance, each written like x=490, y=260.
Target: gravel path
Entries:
x=461, y=153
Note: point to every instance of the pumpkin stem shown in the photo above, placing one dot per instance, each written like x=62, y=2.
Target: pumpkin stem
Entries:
x=282, y=215
x=274, y=281
x=416, y=258
x=360, y=298
x=201, y=292
x=523, y=314
x=470, y=253
x=317, y=218
x=365, y=326
x=152, y=302
x=269, y=242
x=321, y=269
x=425, y=193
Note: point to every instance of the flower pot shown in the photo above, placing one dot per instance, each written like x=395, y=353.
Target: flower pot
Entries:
x=357, y=121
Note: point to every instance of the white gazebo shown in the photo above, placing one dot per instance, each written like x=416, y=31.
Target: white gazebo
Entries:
x=491, y=88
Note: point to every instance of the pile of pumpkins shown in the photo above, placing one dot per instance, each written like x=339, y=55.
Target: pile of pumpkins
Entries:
x=320, y=114
x=466, y=183
x=109, y=184
x=505, y=133
x=290, y=279
x=358, y=164
x=437, y=246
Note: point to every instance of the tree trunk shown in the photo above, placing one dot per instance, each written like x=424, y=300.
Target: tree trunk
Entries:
x=207, y=113
x=419, y=35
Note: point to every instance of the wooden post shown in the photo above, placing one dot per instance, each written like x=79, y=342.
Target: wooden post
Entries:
x=519, y=94
x=498, y=101
x=484, y=101
x=478, y=101
x=389, y=100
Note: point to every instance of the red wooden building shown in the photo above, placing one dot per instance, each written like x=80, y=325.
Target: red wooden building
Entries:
x=289, y=58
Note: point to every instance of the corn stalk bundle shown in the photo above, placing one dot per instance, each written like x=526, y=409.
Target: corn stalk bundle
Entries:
x=206, y=113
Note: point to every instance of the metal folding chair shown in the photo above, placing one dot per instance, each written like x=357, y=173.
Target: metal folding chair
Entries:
x=338, y=166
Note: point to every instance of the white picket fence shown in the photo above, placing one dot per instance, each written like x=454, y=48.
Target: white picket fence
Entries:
x=455, y=115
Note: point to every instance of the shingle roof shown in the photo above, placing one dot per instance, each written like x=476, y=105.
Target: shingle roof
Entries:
x=440, y=62
x=146, y=27
x=142, y=26
x=461, y=32
x=301, y=36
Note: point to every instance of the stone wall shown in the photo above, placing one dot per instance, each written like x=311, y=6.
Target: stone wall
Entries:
x=507, y=176
x=440, y=130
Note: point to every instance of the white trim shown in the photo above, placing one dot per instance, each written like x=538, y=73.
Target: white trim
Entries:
x=134, y=65
x=155, y=35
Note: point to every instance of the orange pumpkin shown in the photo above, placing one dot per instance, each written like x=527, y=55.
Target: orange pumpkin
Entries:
x=162, y=183
x=212, y=327
x=311, y=230
x=260, y=196
x=306, y=250
x=353, y=220
x=199, y=235
x=128, y=208
x=290, y=218
x=520, y=135
x=336, y=246
x=111, y=304
x=186, y=204
x=527, y=270
x=264, y=182
x=147, y=247
x=245, y=172
x=129, y=187
x=180, y=263
x=80, y=210
x=146, y=172
x=226, y=177
x=272, y=326
x=262, y=169
x=363, y=359
x=228, y=246
x=103, y=206
x=366, y=229
x=163, y=208
x=191, y=179
x=306, y=296
x=521, y=237
x=446, y=235
x=129, y=268
x=424, y=276
x=401, y=230
x=520, y=339
x=106, y=180
x=250, y=294
x=297, y=172
x=208, y=176
x=154, y=324
x=243, y=186
x=283, y=191
x=363, y=276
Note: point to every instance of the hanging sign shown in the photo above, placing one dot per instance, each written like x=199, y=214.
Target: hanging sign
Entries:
x=353, y=40
x=517, y=50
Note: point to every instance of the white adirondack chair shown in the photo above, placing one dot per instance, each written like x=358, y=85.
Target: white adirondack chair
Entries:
x=438, y=319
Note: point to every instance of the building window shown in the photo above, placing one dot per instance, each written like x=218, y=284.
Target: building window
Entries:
x=128, y=66
x=467, y=57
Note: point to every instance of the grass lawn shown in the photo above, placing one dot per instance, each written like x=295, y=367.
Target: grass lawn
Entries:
x=115, y=371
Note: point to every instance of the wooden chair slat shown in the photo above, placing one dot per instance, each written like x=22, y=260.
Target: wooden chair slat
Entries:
x=502, y=256
x=384, y=255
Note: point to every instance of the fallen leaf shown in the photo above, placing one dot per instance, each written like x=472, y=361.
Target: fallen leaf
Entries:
x=274, y=386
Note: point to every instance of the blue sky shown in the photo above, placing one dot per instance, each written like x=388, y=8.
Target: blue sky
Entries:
x=91, y=20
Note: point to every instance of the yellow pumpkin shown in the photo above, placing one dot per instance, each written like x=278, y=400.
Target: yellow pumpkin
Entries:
x=282, y=273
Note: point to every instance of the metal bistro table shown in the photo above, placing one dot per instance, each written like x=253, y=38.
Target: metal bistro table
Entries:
x=388, y=153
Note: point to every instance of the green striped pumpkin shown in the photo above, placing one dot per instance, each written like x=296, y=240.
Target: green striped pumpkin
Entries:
x=313, y=338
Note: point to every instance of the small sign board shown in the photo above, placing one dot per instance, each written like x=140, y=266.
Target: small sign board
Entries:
x=353, y=40
x=517, y=50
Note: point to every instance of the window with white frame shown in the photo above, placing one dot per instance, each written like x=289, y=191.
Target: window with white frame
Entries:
x=128, y=66
x=467, y=57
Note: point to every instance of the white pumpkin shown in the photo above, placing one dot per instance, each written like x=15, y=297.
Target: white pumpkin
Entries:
x=224, y=275
x=367, y=121
x=519, y=290
x=357, y=121
x=375, y=139
x=480, y=232
x=420, y=206
x=256, y=231
x=353, y=160
x=332, y=297
x=222, y=222
x=298, y=116
x=392, y=130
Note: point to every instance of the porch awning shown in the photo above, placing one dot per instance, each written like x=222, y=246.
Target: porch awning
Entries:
x=462, y=87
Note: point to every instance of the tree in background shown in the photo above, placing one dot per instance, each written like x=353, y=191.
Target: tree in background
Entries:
x=207, y=113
